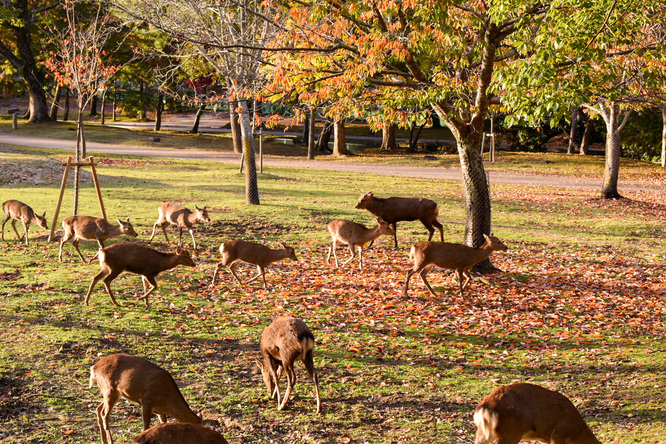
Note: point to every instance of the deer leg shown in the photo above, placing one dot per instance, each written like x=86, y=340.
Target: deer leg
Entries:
x=410, y=273
x=440, y=227
x=164, y=231
x=423, y=274
x=360, y=257
x=103, y=412
x=75, y=242
x=94, y=281
x=3, y=225
x=232, y=268
x=395, y=234
x=163, y=418
x=25, y=230
x=468, y=278
x=193, y=241
x=430, y=228
x=107, y=285
x=18, y=236
x=180, y=236
x=153, y=234
x=290, y=384
x=217, y=270
x=352, y=250
x=146, y=413
x=64, y=239
x=460, y=281
x=309, y=366
x=153, y=283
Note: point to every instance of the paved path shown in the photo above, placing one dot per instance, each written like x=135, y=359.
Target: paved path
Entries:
x=331, y=165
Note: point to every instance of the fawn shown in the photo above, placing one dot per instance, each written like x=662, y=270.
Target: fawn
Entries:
x=173, y=214
x=179, y=433
x=355, y=236
x=16, y=210
x=92, y=228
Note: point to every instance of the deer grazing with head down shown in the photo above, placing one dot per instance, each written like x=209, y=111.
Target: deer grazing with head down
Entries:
x=355, y=236
x=236, y=251
x=136, y=259
x=15, y=211
x=396, y=209
x=283, y=342
x=457, y=257
x=184, y=218
x=90, y=228
x=528, y=412
x=139, y=380
x=179, y=433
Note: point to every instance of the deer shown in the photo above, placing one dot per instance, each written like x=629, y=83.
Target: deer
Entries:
x=355, y=236
x=16, y=210
x=236, y=251
x=528, y=412
x=457, y=257
x=138, y=380
x=397, y=209
x=178, y=433
x=283, y=342
x=90, y=228
x=174, y=214
x=137, y=259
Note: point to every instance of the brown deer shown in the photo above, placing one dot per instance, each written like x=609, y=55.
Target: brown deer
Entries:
x=91, y=228
x=283, y=342
x=137, y=259
x=517, y=412
x=458, y=257
x=16, y=210
x=138, y=380
x=236, y=251
x=355, y=236
x=397, y=209
x=179, y=433
x=173, y=214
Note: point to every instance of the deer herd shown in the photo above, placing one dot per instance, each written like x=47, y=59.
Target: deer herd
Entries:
x=507, y=415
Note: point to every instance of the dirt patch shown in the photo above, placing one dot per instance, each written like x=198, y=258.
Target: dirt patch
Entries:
x=37, y=172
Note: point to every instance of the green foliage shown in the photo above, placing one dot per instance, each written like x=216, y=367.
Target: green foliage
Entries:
x=641, y=137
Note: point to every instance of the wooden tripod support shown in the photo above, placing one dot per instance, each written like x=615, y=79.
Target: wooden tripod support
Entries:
x=71, y=162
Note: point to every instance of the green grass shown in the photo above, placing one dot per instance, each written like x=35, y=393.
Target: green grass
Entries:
x=579, y=307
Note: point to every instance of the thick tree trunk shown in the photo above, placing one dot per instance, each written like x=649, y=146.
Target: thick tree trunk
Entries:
x=325, y=136
x=414, y=135
x=339, y=139
x=573, y=133
x=159, y=107
x=306, y=130
x=53, y=113
x=251, y=186
x=197, y=119
x=587, y=135
x=388, y=137
x=612, y=167
x=236, y=136
x=663, y=137
x=93, y=106
x=311, y=133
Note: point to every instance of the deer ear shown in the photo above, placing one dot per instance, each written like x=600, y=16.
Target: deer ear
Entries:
x=196, y=208
x=283, y=245
x=485, y=236
x=127, y=220
x=370, y=194
x=259, y=364
x=44, y=215
x=119, y=222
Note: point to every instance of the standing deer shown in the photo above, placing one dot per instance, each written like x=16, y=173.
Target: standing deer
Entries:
x=396, y=209
x=173, y=214
x=136, y=259
x=16, y=210
x=91, y=228
x=517, y=412
x=138, y=380
x=283, y=342
x=236, y=251
x=458, y=257
x=179, y=433
x=355, y=236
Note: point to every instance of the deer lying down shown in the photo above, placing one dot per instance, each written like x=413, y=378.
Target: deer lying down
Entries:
x=355, y=235
x=136, y=259
x=16, y=210
x=528, y=412
x=458, y=257
x=91, y=228
x=179, y=433
x=139, y=380
x=283, y=342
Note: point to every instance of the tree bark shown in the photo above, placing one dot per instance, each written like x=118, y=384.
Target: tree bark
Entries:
x=388, y=137
x=197, y=119
x=611, y=117
x=573, y=133
x=663, y=137
x=103, y=115
x=236, y=136
x=53, y=113
x=142, y=94
x=325, y=136
x=587, y=135
x=251, y=186
x=306, y=129
x=114, y=105
x=339, y=139
x=159, y=107
x=65, y=116
x=93, y=105
x=311, y=133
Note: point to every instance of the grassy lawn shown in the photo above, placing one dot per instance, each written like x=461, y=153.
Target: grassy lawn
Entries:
x=579, y=307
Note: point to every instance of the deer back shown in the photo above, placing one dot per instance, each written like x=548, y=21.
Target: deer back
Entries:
x=396, y=209
x=178, y=433
x=91, y=228
x=353, y=233
x=143, y=260
x=253, y=253
x=15, y=209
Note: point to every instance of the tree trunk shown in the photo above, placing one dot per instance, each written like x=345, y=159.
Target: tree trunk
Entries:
x=93, y=105
x=574, y=130
x=306, y=130
x=311, y=133
x=325, y=136
x=388, y=137
x=197, y=119
x=339, y=139
x=414, y=135
x=65, y=116
x=159, y=107
x=53, y=114
x=114, y=105
x=103, y=115
x=587, y=135
x=663, y=137
x=142, y=94
x=236, y=136
x=612, y=168
x=251, y=186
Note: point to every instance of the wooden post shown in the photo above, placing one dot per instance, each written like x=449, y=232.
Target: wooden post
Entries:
x=261, y=150
x=96, y=181
x=14, y=121
x=62, y=192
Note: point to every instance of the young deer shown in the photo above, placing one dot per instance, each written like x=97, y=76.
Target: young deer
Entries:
x=139, y=380
x=458, y=257
x=283, y=342
x=522, y=411
x=170, y=213
x=236, y=251
x=16, y=210
x=137, y=259
x=396, y=209
x=355, y=235
x=91, y=228
x=179, y=433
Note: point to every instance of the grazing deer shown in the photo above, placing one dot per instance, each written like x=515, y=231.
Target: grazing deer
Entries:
x=137, y=259
x=91, y=228
x=138, y=380
x=283, y=342
x=16, y=210
x=179, y=433
x=458, y=257
x=173, y=214
x=528, y=412
x=236, y=251
x=355, y=236
x=396, y=209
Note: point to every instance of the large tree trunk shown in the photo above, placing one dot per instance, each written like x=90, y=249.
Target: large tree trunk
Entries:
x=236, y=136
x=251, y=187
x=573, y=133
x=388, y=137
x=53, y=113
x=663, y=137
x=311, y=133
x=339, y=139
x=587, y=135
x=93, y=105
x=197, y=119
x=325, y=136
x=611, y=115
